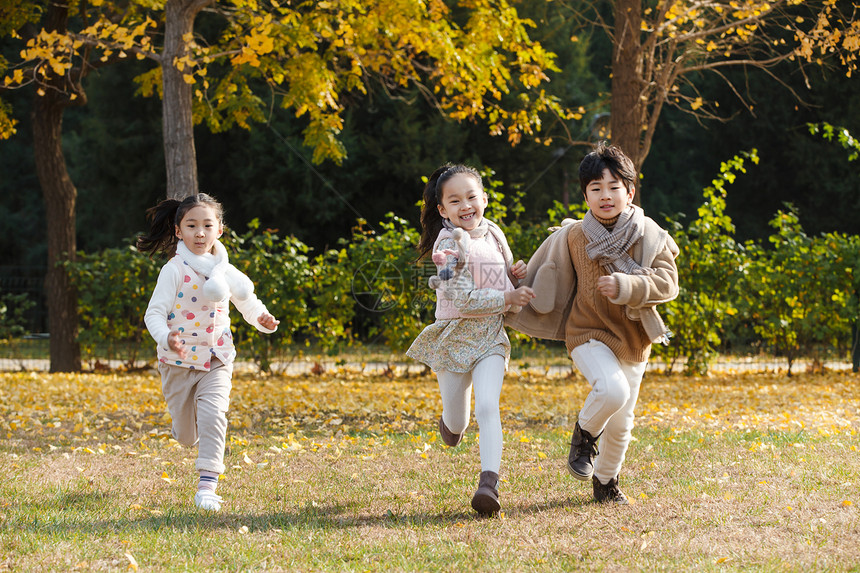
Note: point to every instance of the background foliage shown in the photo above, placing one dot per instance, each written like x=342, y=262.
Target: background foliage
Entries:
x=792, y=295
x=323, y=222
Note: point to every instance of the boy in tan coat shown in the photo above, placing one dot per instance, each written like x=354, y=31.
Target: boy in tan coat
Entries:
x=597, y=283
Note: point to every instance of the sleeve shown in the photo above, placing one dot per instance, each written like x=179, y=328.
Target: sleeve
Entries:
x=161, y=303
x=639, y=291
x=251, y=308
x=470, y=301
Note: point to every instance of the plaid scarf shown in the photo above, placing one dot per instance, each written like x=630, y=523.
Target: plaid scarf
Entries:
x=610, y=248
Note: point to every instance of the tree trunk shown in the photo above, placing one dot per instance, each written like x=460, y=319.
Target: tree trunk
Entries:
x=60, y=196
x=180, y=154
x=627, y=108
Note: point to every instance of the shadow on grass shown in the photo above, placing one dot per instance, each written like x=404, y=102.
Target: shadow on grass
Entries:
x=321, y=517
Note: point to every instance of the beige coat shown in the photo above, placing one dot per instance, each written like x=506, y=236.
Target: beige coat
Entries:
x=552, y=276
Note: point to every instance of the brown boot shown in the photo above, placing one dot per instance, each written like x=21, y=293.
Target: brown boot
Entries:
x=583, y=448
x=486, y=498
x=608, y=493
x=450, y=438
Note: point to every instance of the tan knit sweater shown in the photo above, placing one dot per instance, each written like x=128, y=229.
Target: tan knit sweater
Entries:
x=594, y=316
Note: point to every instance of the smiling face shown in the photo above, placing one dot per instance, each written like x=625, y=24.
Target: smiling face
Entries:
x=463, y=201
x=607, y=197
x=199, y=229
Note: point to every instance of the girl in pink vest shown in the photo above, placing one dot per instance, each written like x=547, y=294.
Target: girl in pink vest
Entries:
x=467, y=345
x=188, y=316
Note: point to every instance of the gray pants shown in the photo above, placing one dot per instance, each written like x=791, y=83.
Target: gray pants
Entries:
x=609, y=406
x=198, y=403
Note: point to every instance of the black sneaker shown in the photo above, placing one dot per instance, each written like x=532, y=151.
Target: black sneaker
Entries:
x=583, y=448
x=608, y=493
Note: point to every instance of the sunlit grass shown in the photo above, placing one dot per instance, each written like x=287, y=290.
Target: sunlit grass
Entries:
x=345, y=472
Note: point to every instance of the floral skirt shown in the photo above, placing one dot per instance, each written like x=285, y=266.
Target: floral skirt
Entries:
x=458, y=344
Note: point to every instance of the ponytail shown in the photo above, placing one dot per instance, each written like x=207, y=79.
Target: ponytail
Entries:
x=165, y=217
x=431, y=220
x=162, y=229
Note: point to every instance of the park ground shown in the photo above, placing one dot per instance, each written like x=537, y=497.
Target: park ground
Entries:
x=342, y=471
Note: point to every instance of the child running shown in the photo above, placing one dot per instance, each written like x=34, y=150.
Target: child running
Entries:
x=598, y=282
x=188, y=317
x=467, y=345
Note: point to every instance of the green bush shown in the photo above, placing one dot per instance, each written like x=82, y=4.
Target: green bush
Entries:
x=13, y=307
x=114, y=287
x=709, y=265
x=800, y=295
x=389, y=287
x=796, y=295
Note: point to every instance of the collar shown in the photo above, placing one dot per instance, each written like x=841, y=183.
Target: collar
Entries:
x=476, y=233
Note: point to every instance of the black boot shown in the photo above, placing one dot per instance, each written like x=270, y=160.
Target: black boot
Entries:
x=486, y=499
x=608, y=493
x=583, y=448
x=450, y=438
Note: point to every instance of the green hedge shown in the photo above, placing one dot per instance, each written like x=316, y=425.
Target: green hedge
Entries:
x=792, y=296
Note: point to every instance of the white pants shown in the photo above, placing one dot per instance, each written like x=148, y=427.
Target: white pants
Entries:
x=609, y=406
x=456, y=389
x=198, y=403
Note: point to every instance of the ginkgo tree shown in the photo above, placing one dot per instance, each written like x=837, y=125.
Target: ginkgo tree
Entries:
x=661, y=47
x=304, y=56
x=473, y=59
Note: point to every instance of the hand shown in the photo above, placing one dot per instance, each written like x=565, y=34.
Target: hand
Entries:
x=268, y=321
x=608, y=286
x=176, y=345
x=519, y=296
x=518, y=269
x=441, y=257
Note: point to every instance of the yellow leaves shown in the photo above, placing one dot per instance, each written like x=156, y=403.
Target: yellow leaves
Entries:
x=696, y=104
x=847, y=503
x=423, y=452
x=245, y=56
x=132, y=562
x=261, y=44
x=167, y=478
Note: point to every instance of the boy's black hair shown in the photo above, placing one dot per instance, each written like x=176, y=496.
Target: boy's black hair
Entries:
x=606, y=157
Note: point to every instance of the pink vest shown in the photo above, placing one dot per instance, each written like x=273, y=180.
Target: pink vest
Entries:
x=204, y=325
x=487, y=265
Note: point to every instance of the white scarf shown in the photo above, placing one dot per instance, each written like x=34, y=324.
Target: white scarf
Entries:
x=223, y=280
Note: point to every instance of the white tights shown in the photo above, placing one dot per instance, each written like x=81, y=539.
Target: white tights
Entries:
x=609, y=406
x=456, y=389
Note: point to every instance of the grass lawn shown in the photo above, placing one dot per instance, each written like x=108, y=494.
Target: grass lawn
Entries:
x=341, y=472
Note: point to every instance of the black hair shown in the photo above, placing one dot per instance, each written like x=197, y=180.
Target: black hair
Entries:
x=606, y=157
x=431, y=220
x=166, y=216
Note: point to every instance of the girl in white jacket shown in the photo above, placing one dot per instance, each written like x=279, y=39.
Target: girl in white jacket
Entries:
x=188, y=317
